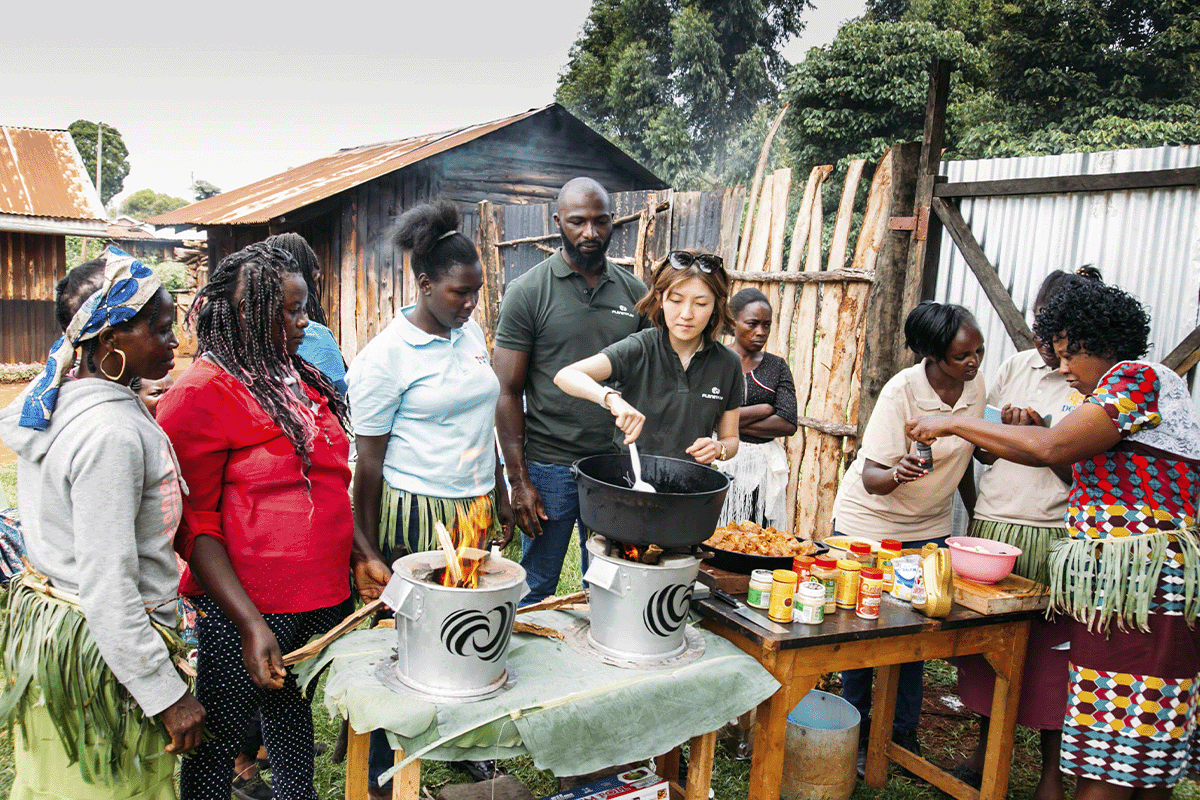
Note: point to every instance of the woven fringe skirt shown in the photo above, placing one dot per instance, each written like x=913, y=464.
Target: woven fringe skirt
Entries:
x=759, y=489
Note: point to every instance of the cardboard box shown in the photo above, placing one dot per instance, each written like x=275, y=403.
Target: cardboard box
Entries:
x=636, y=784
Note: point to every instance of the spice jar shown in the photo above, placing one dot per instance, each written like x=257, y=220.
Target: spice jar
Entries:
x=870, y=589
x=802, y=566
x=826, y=573
x=759, y=593
x=810, y=603
x=847, y=586
x=888, y=550
x=783, y=595
x=861, y=552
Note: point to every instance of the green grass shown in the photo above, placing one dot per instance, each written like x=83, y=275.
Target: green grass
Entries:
x=8, y=484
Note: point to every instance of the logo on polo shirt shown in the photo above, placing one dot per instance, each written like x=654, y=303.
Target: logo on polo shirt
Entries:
x=715, y=394
x=622, y=311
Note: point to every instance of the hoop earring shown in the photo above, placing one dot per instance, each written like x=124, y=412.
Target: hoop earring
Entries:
x=121, y=371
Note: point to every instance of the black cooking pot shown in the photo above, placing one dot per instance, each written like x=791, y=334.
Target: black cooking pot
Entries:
x=683, y=512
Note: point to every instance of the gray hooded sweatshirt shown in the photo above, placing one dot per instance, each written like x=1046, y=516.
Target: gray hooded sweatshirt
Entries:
x=100, y=501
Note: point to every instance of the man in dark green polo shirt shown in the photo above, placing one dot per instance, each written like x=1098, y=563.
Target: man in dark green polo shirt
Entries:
x=570, y=306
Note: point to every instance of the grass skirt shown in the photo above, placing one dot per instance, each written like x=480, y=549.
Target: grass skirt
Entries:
x=407, y=519
x=79, y=733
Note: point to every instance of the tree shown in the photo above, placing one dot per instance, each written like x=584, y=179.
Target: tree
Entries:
x=202, y=190
x=146, y=203
x=676, y=82
x=847, y=105
x=114, y=166
x=1036, y=77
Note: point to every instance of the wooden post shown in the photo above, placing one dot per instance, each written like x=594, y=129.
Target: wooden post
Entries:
x=866, y=256
x=884, y=352
x=348, y=260
x=927, y=169
x=492, y=260
x=1186, y=353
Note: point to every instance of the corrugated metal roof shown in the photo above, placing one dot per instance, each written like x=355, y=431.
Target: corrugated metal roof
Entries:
x=280, y=194
x=42, y=175
x=1146, y=241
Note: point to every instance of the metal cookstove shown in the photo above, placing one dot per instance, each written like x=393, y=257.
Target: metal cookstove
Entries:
x=638, y=610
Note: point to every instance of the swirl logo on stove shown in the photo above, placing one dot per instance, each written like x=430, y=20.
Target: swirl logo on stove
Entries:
x=470, y=632
x=667, y=609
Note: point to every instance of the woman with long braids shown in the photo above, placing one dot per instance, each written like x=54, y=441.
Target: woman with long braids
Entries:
x=95, y=614
x=267, y=532
x=424, y=398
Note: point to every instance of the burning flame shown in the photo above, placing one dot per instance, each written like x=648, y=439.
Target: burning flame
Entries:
x=630, y=552
x=470, y=530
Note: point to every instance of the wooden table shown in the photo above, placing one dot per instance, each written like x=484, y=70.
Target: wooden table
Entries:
x=406, y=784
x=798, y=660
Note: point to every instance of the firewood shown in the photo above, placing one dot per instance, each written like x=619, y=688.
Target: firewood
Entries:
x=521, y=626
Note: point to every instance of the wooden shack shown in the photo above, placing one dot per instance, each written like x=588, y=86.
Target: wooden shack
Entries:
x=45, y=196
x=344, y=204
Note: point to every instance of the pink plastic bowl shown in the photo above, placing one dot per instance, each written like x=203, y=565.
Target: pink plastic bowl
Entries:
x=994, y=565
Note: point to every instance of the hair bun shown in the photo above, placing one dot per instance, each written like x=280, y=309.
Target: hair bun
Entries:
x=422, y=228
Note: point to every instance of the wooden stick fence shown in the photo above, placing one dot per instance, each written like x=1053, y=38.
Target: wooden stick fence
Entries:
x=820, y=313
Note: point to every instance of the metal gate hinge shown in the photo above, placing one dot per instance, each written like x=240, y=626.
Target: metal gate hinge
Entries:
x=918, y=224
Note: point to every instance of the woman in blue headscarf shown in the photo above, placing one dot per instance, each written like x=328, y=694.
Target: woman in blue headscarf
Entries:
x=101, y=498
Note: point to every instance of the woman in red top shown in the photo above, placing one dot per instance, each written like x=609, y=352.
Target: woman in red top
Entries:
x=267, y=529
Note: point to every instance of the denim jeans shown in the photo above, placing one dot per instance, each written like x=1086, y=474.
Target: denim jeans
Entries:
x=856, y=683
x=542, y=556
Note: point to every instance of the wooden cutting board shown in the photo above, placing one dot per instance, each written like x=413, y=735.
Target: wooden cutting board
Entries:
x=1014, y=593
x=716, y=578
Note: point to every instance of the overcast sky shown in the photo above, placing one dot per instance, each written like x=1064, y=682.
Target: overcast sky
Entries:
x=232, y=92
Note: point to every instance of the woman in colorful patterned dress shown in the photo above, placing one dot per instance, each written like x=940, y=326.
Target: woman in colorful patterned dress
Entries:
x=1027, y=507
x=1128, y=572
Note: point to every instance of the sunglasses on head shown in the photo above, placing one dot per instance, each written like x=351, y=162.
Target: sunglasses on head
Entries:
x=705, y=262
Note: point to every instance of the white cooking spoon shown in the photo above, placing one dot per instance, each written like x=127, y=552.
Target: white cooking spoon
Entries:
x=639, y=485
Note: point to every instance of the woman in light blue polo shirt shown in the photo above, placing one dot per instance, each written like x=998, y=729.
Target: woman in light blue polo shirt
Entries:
x=423, y=398
x=423, y=404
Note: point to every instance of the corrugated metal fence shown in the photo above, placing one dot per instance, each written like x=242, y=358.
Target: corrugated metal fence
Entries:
x=1146, y=241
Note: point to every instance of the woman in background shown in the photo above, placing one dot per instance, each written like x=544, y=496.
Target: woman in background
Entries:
x=319, y=348
x=890, y=492
x=267, y=532
x=768, y=413
x=1129, y=573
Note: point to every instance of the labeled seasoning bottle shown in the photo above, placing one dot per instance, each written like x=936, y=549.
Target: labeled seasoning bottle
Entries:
x=870, y=590
x=783, y=595
x=759, y=593
x=826, y=573
x=925, y=452
x=861, y=552
x=847, y=587
x=810, y=603
x=888, y=549
x=802, y=566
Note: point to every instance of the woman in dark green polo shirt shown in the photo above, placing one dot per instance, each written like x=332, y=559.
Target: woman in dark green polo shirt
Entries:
x=673, y=385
